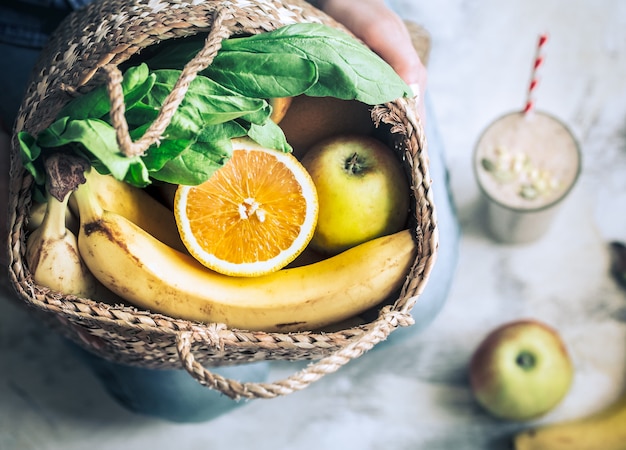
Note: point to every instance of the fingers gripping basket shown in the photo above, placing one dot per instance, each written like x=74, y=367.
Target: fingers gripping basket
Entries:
x=84, y=53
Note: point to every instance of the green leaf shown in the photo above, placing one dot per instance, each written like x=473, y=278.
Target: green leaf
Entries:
x=258, y=117
x=96, y=104
x=137, y=175
x=205, y=102
x=51, y=136
x=196, y=163
x=158, y=155
x=263, y=75
x=97, y=138
x=347, y=68
x=226, y=130
x=201, y=159
x=141, y=114
x=30, y=152
x=252, y=74
x=136, y=94
x=269, y=135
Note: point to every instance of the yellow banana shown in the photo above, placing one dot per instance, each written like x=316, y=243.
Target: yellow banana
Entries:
x=136, y=205
x=149, y=274
x=605, y=430
x=52, y=254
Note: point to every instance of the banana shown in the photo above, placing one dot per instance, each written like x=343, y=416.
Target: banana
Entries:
x=149, y=274
x=605, y=430
x=136, y=205
x=52, y=254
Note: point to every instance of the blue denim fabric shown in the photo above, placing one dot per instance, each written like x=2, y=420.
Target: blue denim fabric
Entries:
x=25, y=26
x=28, y=23
x=171, y=395
x=433, y=298
x=14, y=76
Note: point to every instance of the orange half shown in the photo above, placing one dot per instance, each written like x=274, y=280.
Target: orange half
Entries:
x=253, y=216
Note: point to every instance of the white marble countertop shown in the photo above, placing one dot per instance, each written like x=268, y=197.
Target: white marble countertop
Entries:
x=415, y=395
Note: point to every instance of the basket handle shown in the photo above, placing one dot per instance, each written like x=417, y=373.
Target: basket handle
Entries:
x=153, y=134
x=387, y=321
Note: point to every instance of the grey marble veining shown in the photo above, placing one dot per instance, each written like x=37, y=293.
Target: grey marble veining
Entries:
x=415, y=395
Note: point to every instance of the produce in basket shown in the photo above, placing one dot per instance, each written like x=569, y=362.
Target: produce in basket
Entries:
x=150, y=274
x=229, y=100
x=254, y=216
x=363, y=192
x=52, y=251
x=135, y=204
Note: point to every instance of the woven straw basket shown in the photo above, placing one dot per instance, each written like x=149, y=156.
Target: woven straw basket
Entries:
x=108, y=33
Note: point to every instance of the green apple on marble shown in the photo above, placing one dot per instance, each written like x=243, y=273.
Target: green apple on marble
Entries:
x=362, y=190
x=521, y=370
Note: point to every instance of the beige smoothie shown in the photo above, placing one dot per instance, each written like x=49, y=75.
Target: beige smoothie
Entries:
x=525, y=165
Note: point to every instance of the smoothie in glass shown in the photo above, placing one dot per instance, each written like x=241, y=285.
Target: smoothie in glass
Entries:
x=525, y=165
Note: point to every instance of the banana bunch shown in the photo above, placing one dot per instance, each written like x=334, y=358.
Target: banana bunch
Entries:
x=605, y=430
x=149, y=273
x=52, y=253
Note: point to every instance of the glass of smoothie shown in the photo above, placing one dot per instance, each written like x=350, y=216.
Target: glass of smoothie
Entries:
x=525, y=165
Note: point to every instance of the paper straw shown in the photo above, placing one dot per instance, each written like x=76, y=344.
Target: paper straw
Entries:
x=534, y=80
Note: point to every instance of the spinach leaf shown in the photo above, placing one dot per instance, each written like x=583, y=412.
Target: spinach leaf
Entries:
x=269, y=135
x=30, y=152
x=97, y=138
x=141, y=114
x=158, y=155
x=206, y=102
x=136, y=82
x=272, y=64
x=263, y=75
x=199, y=161
x=347, y=69
x=176, y=53
x=252, y=74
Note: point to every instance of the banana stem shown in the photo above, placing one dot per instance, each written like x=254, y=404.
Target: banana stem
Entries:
x=89, y=209
x=53, y=223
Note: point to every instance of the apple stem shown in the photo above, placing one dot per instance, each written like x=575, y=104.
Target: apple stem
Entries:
x=525, y=360
x=353, y=164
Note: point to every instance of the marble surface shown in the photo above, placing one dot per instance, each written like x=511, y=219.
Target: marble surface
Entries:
x=415, y=394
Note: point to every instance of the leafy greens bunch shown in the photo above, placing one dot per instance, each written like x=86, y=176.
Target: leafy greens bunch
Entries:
x=229, y=99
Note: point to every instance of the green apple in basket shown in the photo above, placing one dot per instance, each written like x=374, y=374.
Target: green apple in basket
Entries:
x=362, y=189
x=521, y=370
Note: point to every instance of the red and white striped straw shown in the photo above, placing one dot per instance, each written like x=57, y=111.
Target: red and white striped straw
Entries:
x=534, y=80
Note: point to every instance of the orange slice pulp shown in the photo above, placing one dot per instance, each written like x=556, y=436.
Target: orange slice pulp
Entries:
x=253, y=216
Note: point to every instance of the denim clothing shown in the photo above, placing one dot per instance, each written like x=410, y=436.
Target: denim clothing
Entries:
x=436, y=291
x=24, y=29
x=171, y=395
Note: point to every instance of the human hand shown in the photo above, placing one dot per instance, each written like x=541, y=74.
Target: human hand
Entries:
x=386, y=34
